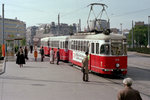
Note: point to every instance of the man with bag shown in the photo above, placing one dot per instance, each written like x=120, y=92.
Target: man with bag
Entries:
x=85, y=68
x=42, y=53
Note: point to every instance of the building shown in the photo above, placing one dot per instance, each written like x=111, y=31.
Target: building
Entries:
x=13, y=29
x=114, y=30
x=139, y=23
x=31, y=32
x=35, y=33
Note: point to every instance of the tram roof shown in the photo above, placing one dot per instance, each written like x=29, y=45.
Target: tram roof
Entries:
x=99, y=36
x=59, y=37
x=45, y=39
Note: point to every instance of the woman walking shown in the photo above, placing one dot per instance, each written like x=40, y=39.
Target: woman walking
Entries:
x=52, y=56
x=20, y=57
x=35, y=54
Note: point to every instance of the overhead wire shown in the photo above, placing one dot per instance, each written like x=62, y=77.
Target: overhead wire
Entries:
x=132, y=12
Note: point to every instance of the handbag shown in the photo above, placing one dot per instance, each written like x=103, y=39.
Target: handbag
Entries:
x=82, y=70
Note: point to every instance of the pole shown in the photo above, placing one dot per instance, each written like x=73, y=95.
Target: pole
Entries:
x=3, y=46
x=121, y=28
x=148, y=32
x=132, y=36
x=58, y=23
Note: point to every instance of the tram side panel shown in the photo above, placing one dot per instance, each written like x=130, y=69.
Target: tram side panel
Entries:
x=109, y=65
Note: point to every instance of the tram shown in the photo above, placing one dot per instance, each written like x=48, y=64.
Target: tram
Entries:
x=107, y=50
x=107, y=53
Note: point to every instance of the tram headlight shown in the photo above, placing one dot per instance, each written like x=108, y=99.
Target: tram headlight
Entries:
x=117, y=65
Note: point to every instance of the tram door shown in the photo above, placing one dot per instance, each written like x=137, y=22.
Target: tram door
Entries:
x=94, y=56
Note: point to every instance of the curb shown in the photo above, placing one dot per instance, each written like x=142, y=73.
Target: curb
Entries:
x=3, y=67
x=142, y=54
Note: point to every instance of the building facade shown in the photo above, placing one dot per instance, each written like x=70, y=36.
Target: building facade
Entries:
x=13, y=29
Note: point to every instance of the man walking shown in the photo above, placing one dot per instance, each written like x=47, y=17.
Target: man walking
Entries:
x=42, y=53
x=85, y=68
x=128, y=93
x=58, y=56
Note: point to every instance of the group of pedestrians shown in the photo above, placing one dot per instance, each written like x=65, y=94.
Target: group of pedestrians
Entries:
x=128, y=93
x=53, y=56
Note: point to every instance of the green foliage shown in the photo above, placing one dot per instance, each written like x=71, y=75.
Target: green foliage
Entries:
x=23, y=42
x=140, y=50
x=139, y=35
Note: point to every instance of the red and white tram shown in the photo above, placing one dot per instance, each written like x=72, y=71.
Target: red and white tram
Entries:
x=60, y=42
x=107, y=53
x=45, y=44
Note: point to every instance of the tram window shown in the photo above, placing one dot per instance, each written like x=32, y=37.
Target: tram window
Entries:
x=116, y=49
x=105, y=49
x=57, y=43
x=92, y=47
x=87, y=50
x=48, y=43
x=72, y=45
x=97, y=48
x=125, y=49
x=66, y=44
x=82, y=46
x=52, y=44
x=78, y=45
x=63, y=44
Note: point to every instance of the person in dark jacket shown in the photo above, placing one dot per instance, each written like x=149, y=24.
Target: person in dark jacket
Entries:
x=42, y=53
x=20, y=57
x=128, y=93
x=85, y=68
x=31, y=48
x=58, y=56
x=26, y=52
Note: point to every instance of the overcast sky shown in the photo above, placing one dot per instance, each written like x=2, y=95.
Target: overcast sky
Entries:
x=34, y=12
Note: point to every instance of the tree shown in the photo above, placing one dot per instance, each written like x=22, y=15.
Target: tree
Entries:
x=23, y=42
x=140, y=35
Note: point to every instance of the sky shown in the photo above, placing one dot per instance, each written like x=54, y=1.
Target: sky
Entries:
x=35, y=12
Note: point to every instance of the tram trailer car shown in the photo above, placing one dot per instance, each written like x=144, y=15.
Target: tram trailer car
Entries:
x=60, y=42
x=45, y=44
x=107, y=53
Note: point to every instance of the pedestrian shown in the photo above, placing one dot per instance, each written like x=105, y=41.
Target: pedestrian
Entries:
x=58, y=56
x=20, y=57
x=128, y=93
x=26, y=52
x=52, y=56
x=31, y=48
x=42, y=54
x=85, y=68
x=35, y=54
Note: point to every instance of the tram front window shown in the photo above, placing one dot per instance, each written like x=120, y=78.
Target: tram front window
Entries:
x=116, y=49
x=105, y=49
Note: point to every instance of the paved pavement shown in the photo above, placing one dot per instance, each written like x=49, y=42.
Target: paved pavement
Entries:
x=139, y=60
x=45, y=81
